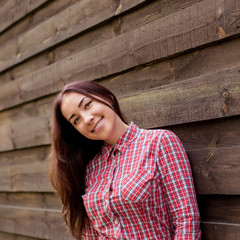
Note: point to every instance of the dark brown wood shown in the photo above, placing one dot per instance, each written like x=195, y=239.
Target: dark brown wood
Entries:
x=119, y=25
x=216, y=171
x=80, y=16
x=219, y=208
x=25, y=170
x=223, y=231
x=33, y=222
x=206, y=97
x=202, y=98
x=8, y=236
x=43, y=200
x=13, y=10
x=215, y=133
x=148, y=43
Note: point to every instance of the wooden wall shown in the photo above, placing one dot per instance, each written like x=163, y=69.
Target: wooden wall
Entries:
x=172, y=64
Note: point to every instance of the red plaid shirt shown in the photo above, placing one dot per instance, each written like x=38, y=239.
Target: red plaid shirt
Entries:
x=141, y=189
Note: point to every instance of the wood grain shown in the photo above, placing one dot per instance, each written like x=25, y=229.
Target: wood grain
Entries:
x=158, y=39
x=25, y=170
x=44, y=200
x=209, y=96
x=217, y=230
x=119, y=25
x=8, y=236
x=80, y=16
x=33, y=222
x=220, y=208
x=214, y=95
x=12, y=11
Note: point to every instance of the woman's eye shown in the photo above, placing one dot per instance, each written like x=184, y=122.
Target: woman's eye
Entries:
x=87, y=104
x=76, y=120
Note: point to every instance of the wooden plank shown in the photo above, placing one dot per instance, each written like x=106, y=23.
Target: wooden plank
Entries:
x=223, y=231
x=216, y=171
x=219, y=208
x=44, y=12
x=158, y=39
x=8, y=236
x=126, y=22
x=25, y=170
x=80, y=16
x=32, y=200
x=211, y=134
x=210, y=96
x=33, y=222
x=13, y=10
x=221, y=56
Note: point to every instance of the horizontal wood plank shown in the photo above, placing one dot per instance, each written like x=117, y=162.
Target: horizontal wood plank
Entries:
x=8, y=236
x=223, y=231
x=158, y=39
x=25, y=170
x=219, y=208
x=13, y=10
x=80, y=16
x=119, y=25
x=219, y=57
x=210, y=96
x=43, y=200
x=211, y=134
x=216, y=171
x=33, y=222
x=212, y=148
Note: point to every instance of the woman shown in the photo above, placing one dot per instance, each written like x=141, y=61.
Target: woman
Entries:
x=117, y=181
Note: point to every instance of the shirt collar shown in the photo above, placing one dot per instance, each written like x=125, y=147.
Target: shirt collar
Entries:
x=124, y=141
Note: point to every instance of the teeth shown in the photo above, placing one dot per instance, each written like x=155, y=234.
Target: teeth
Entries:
x=97, y=125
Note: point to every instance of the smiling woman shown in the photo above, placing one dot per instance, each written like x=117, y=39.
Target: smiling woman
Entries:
x=115, y=180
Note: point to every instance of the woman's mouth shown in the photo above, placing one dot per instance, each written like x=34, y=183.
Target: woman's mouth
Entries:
x=98, y=125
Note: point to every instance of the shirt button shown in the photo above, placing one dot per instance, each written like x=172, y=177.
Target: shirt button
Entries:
x=116, y=222
x=106, y=201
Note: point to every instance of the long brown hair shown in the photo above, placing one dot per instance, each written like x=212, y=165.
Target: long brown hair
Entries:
x=71, y=152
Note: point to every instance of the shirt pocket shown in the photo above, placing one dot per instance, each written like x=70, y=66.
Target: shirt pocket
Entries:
x=137, y=185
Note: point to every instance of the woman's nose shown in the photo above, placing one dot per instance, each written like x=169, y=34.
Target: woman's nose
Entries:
x=88, y=118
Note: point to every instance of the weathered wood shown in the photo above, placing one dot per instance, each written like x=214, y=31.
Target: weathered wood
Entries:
x=215, y=95
x=127, y=22
x=216, y=133
x=13, y=10
x=216, y=170
x=33, y=222
x=200, y=62
x=8, y=236
x=156, y=40
x=44, y=12
x=219, y=208
x=81, y=16
x=217, y=230
x=31, y=200
x=210, y=96
x=25, y=170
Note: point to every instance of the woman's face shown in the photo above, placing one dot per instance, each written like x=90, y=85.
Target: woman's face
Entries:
x=91, y=118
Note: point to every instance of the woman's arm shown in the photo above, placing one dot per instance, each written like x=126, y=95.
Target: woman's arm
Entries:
x=178, y=187
x=89, y=233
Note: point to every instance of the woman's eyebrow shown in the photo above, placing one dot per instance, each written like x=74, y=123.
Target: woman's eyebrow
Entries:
x=79, y=105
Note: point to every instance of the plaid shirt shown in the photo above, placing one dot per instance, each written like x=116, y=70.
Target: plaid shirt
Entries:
x=141, y=189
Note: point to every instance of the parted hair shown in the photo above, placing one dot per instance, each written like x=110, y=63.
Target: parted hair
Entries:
x=71, y=152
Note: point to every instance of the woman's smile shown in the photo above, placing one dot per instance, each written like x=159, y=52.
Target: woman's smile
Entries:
x=93, y=119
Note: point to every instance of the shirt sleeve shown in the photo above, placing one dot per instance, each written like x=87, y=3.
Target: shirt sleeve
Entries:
x=89, y=233
x=178, y=188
